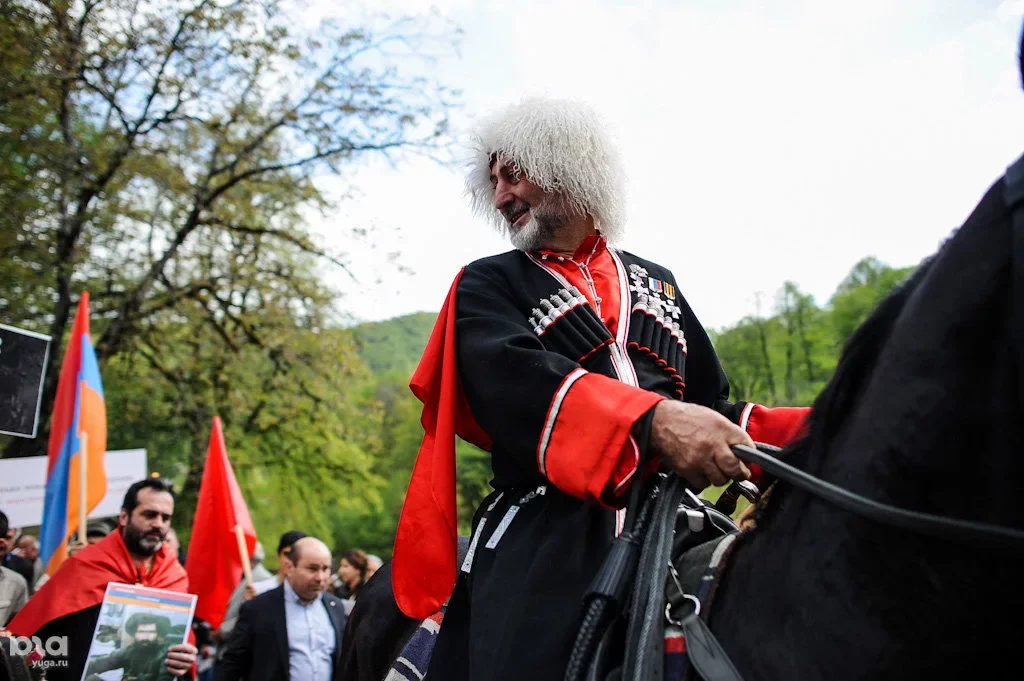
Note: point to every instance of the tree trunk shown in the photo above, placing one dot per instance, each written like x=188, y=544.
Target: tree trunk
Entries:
x=790, y=392
x=767, y=361
x=805, y=344
x=199, y=438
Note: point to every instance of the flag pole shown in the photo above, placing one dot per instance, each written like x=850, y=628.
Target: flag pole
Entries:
x=83, y=482
x=243, y=554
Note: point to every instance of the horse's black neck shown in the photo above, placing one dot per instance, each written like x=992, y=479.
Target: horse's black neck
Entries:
x=922, y=413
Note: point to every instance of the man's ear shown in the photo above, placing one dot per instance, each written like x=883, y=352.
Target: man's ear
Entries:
x=122, y=519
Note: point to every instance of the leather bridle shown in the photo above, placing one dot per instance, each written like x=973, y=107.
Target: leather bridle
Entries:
x=964, y=531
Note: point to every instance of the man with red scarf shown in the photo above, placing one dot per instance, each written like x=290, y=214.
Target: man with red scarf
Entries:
x=68, y=604
x=579, y=367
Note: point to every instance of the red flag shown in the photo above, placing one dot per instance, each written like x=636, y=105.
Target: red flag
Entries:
x=213, y=564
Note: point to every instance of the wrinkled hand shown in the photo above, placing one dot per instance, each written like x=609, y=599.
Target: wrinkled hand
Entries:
x=249, y=592
x=695, y=441
x=75, y=547
x=180, y=658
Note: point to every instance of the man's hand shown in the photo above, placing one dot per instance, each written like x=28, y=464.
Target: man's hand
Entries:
x=180, y=658
x=249, y=592
x=695, y=441
x=75, y=547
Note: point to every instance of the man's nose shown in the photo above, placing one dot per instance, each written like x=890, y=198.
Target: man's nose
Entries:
x=503, y=195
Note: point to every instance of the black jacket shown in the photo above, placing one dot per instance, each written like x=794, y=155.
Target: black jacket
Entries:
x=257, y=649
x=22, y=566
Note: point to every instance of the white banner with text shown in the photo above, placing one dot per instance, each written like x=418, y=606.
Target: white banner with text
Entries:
x=23, y=485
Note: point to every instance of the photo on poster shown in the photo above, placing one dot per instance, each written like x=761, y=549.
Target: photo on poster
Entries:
x=135, y=628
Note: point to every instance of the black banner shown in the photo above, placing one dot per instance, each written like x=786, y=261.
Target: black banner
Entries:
x=23, y=356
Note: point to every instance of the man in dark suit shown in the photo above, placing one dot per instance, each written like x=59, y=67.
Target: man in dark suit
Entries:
x=293, y=632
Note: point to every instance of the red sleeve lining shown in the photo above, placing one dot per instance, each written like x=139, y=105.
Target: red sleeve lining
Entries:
x=776, y=426
x=585, y=447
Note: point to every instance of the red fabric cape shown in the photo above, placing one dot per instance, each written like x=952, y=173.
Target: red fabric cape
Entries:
x=82, y=580
x=426, y=544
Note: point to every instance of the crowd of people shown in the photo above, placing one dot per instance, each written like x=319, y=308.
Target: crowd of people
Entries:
x=141, y=547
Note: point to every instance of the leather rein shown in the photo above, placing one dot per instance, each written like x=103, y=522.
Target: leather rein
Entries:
x=964, y=531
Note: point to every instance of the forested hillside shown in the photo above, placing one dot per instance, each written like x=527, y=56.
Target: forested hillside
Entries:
x=394, y=345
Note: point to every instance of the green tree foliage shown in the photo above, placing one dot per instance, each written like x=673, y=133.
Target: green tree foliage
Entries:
x=787, y=358
x=392, y=349
x=141, y=139
x=165, y=157
x=395, y=346
x=861, y=291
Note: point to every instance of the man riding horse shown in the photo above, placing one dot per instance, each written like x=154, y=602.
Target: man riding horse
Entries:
x=579, y=367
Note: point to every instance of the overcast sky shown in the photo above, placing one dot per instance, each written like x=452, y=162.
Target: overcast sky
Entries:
x=763, y=141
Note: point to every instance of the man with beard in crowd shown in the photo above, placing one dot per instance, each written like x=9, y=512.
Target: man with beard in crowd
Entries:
x=143, y=658
x=68, y=605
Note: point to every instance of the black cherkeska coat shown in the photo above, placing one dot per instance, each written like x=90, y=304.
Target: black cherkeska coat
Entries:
x=552, y=387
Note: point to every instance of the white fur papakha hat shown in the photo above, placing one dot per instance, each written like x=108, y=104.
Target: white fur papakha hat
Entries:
x=562, y=147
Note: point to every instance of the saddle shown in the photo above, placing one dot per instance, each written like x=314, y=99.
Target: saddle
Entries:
x=645, y=599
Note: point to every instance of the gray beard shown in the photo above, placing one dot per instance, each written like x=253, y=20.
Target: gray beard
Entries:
x=527, y=237
x=546, y=220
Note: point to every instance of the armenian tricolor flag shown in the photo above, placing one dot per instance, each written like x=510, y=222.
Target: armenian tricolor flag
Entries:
x=79, y=409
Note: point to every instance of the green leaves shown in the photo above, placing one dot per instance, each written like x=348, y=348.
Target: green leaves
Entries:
x=867, y=284
x=162, y=155
x=788, y=358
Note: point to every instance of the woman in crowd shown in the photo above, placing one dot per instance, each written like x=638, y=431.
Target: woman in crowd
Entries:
x=352, y=571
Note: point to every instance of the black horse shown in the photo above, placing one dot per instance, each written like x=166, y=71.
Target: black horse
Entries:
x=925, y=412
x=377, y=631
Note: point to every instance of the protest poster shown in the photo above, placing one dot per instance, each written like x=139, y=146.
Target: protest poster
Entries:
x=135, y=628
x=23, y=358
